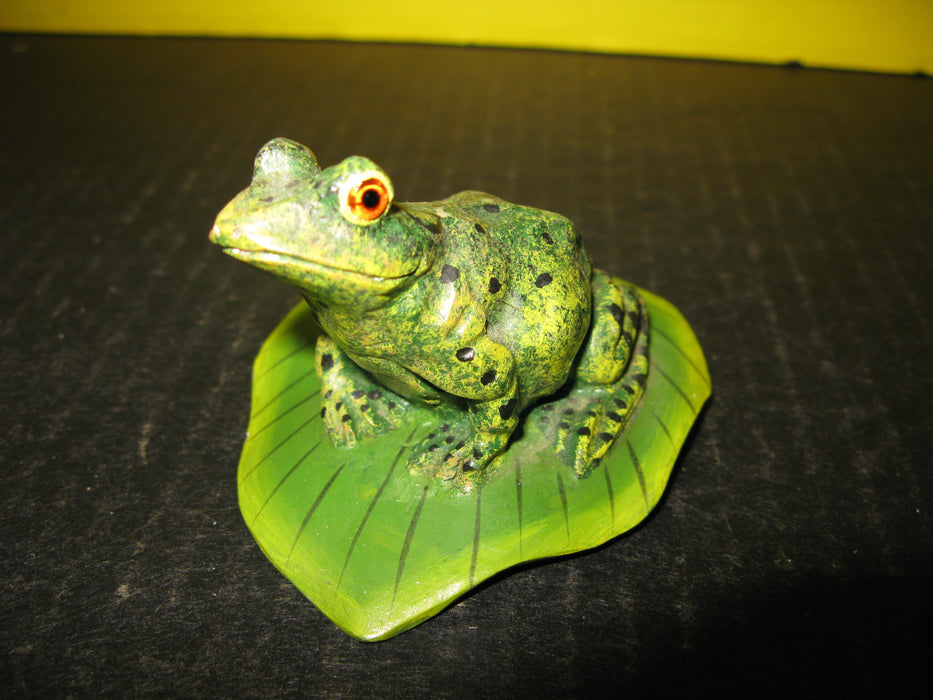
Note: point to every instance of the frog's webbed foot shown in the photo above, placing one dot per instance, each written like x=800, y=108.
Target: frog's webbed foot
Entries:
x=455, y=454
x=588, y=423
x=354, y=405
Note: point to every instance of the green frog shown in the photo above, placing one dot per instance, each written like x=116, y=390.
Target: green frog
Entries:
x=485, y=308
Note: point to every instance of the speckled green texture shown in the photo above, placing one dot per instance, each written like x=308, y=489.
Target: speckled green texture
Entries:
x=473, y=303
x=462, y=391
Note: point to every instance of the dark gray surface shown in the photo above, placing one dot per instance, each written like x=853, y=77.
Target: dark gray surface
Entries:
x=787, y=213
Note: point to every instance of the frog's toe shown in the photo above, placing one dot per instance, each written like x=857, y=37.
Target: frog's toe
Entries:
x=428, y=456
x=453, y=455
x=359, y=414
x=584, y=436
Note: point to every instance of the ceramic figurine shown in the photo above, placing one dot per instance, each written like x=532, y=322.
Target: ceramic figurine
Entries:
x=461, y=392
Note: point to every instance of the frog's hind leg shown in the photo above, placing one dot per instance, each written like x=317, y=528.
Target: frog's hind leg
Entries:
x=610, y=376
x=618, y=315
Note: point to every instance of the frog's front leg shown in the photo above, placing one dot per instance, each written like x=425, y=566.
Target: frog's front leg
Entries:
x=485, y=379
x=354, y=405
x=459, y=451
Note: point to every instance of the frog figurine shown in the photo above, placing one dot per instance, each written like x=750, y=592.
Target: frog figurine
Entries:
x=472, y=304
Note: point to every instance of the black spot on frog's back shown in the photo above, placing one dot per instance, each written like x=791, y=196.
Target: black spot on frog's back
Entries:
x=449, y=274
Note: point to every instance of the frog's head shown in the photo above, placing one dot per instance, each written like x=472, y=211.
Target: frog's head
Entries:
x=335, y=233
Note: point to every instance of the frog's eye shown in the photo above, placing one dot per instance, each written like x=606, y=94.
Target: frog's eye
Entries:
x=365, y=198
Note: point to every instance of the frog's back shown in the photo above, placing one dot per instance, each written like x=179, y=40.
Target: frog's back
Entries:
x=542, y=312
x=525, y=229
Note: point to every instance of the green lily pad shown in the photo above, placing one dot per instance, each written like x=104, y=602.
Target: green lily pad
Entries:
x=379, y=550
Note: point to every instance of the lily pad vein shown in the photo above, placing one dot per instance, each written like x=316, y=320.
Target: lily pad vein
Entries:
x=406, y=545
x=295, y=383
x=283, y=480
x=636, y=465
x=690, y=361
x=282, y=359
x=273, y=450
x=371, y=508
x=676, y=387
x=314, y=506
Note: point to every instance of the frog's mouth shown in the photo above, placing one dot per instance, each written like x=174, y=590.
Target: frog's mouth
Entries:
x=306, y=272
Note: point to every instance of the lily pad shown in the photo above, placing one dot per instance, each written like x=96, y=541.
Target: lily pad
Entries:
x=379, y=550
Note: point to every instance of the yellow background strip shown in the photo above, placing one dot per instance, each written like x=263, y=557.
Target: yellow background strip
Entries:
x=896, y=35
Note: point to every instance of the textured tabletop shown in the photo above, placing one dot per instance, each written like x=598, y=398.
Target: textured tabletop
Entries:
x=787, y=213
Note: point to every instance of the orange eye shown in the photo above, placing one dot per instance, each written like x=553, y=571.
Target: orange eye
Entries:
x=368, y=200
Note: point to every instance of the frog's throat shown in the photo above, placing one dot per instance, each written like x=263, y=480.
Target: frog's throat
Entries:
x=297, y=270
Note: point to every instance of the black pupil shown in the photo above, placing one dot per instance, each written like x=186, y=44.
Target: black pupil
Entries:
x=371, y=198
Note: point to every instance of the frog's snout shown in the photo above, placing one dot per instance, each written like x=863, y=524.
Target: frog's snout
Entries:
x=224, y=230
